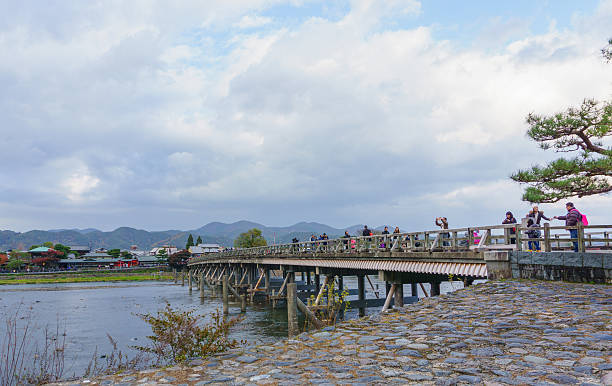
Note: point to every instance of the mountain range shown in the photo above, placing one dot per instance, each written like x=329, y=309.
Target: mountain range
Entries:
x=124, y=237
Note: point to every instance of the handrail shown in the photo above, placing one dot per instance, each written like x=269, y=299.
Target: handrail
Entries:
x=512, y=237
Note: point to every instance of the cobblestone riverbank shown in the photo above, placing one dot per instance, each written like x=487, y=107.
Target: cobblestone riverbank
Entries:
x=510, y=332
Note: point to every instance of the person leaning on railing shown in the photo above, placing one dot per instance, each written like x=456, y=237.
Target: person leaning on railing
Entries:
x=571, y=220
x=534, y=245
x=346, y=236
x=510, y=220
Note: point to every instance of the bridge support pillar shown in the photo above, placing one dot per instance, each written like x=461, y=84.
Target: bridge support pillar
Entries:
x=202, y=285
x=399, y=295
x=317, y=280
x=308, y=281
x=361, y=294
x=340, y=289
x=190, y=280
x=175, y=275
x=498, y=265
x=182, y=278
x=243, y=303
x=435, y=288
x=388, y=287
x=293, y=328
x=413, y=289
x=267, y=280
x=225, y=295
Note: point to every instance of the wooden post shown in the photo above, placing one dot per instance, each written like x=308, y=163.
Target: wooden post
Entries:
x=435, y=288
x=581, y=247
x=182, y=278
x=243, y=303
x=414, y=290
x=387, y=290
x=519, y=237
x=292, y=322
x=309, y=314
x=340, y=289
x=424, y=290
x=225, y=295
x=361, y=294
x=389, y=296
x=202, y=285
x=399, y=295
x=606, y=235
x=190, y=280
x=175, y=275
x=267, y=280
x=372, y=286
x=321, y=290
x=317, y=280
x=547, y=246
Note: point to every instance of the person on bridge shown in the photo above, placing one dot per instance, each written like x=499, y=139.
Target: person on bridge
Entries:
x=533, y=233
x=442, y=222
x=537, y=215
x=396, y=230
x=386, y=231
x=366, y=231
x=571, y=220
x=510, y=220
x=346, y=236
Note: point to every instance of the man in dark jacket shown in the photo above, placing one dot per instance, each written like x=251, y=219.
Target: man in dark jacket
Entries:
x=366, y=231
x=345, y=242
x=571, y=219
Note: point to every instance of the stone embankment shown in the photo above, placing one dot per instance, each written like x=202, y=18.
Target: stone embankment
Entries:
x=510, y=332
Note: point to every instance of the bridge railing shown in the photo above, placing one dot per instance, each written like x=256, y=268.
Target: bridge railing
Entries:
x=494, y=237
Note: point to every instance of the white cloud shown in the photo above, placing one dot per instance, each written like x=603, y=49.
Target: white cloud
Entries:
x=137, y=105
x=252, y=21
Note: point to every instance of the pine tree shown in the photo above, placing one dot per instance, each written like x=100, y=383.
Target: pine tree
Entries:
x=189, y=242
x=199, y=240
x=584, y=130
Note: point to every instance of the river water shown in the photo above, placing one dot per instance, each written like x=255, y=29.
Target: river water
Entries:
x=89, y=312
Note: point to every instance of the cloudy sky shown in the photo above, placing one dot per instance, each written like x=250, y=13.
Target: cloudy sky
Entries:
x=169, y=115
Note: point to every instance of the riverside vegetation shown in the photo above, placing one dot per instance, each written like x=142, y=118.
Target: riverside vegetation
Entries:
x=85, y=276
x=177, y=336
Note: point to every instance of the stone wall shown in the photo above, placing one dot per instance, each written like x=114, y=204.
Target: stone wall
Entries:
x=566, y=266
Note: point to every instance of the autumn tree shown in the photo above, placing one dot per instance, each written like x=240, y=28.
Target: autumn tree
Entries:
x=249, y=239
x=179, y=259
x=62, y=248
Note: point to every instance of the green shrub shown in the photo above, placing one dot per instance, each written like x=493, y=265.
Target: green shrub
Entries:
x=180, y=335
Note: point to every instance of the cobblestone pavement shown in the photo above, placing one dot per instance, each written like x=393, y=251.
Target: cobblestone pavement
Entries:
x=511, y=332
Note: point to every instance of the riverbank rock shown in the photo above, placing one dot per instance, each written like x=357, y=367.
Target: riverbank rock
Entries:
x=496, y=333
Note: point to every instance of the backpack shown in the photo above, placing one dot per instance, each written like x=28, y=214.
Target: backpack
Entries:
x=582, y=217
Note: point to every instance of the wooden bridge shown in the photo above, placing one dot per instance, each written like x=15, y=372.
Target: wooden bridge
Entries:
x=412, y=258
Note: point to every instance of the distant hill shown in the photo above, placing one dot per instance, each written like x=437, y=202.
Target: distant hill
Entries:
x=82, y=231
x=124, y=237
